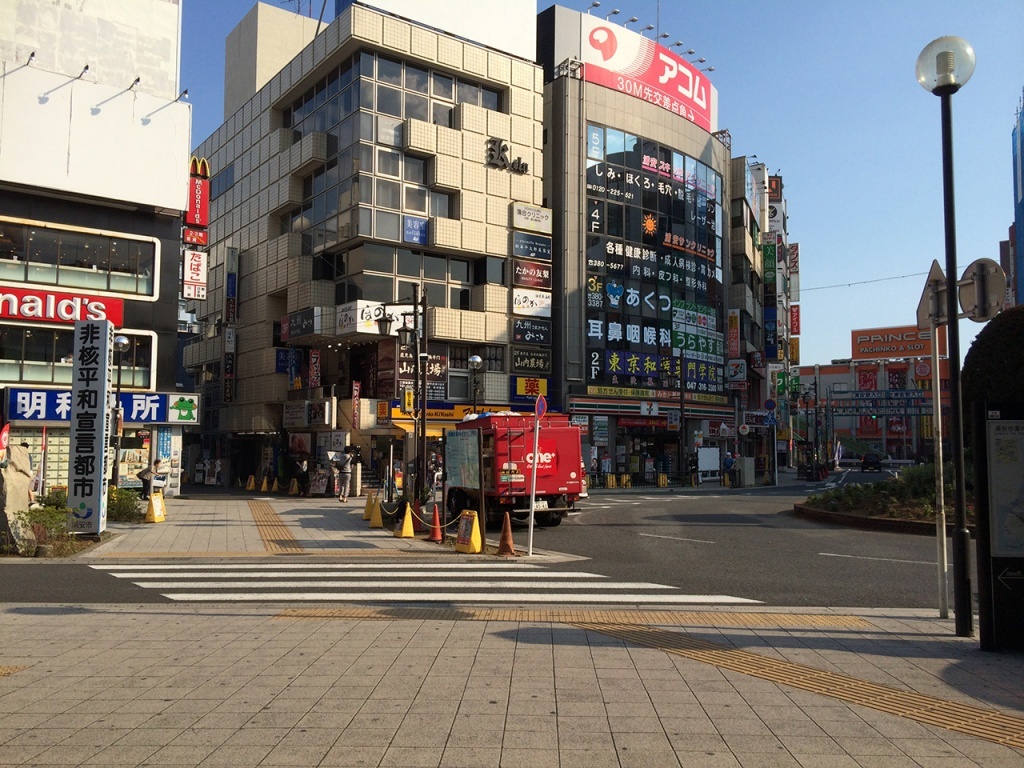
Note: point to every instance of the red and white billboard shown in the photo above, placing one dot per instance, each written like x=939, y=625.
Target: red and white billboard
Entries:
x=35, y=305
x=194, y=283
x=794, y=319
x=630, y=63
x=198, y=212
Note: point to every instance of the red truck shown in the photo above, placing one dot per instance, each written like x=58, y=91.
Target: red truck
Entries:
x=504, y=463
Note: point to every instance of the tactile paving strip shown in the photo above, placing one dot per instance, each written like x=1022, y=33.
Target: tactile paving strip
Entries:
x=930, y=710
x=665, y=618
x=8, y=671
x=276, y=537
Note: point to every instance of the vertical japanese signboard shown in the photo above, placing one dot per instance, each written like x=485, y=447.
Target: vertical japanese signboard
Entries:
x=91, y=407
x=194, y=286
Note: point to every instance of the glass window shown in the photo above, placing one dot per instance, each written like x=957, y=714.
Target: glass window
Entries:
x=39, y=345
x=458, y=386
x=389, y=163
x=442, y=86
x=378, y=258
x=365, y=94
x=409, y=262
x=375, y=287
x=389, y=131
x=349, y=99
x=458, y=271
x=435, y=268
x=490, y=98
x=437, y=294
x=458, y=298
x=416, y=170
x=364, y=158
x=439, y=205
x=364, y=65
x=365, y=126
x=489, y=270
x=406, y=291
x=615, y=146
x=467, y=93
x=389, y=101
x=363, y=189
x=416, y=199
x=389, y=225
x=441, y=114
x=12, y=241
x=389, y=71
x=417, y=107
x=416, y=79
x=389, y=194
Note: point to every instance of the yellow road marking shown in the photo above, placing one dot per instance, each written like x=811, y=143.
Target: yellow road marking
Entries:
x=665, y=618
x=968, y=719
x=8, y=671
x=277, y=539
x=640, y=628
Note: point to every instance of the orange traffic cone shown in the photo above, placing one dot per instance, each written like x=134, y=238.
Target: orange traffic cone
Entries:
x=506, y=547
x=435, y=528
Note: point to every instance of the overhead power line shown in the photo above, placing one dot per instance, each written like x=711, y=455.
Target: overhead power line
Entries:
x=862, y=282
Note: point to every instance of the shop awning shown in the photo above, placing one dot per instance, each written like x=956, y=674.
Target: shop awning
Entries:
x=433, y=430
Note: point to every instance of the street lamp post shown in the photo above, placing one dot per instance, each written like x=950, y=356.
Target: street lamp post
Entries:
x=415, y=338
x=943, y=67
x=120, y=345
x=476, y=363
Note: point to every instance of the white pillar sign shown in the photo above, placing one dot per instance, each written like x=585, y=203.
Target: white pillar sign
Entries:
x=91, y=404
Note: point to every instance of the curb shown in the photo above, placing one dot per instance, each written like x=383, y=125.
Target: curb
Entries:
x=889, y=524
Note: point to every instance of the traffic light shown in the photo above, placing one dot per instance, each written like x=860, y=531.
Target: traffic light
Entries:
x=408, y=400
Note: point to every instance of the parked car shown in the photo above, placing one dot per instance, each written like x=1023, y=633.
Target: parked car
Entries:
x=871, y=461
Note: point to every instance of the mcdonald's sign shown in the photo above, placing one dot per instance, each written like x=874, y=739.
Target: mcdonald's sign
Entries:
x=199, y=166
x=198, y=211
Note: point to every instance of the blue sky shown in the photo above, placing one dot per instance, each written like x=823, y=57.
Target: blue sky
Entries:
x=825, y=93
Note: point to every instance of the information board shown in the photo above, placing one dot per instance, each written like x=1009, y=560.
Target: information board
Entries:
x=462, y=455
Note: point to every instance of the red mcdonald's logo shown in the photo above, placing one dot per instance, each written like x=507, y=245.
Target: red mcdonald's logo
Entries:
x=199, y=166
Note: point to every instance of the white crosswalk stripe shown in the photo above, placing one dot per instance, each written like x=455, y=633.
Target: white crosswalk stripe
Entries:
x=397, y=583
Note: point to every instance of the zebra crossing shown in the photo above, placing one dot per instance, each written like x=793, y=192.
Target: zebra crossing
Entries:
x=518, y=583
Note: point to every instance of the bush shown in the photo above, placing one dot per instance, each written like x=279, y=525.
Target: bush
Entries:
x=124, y=506
x=49, y=526
x=909, y=495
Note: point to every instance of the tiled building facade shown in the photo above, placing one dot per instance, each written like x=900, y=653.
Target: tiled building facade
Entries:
x=384, y=155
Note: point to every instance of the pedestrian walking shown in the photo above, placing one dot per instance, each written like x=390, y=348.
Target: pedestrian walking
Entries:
x=146, y=476
x=344, y=464
x=729, y=463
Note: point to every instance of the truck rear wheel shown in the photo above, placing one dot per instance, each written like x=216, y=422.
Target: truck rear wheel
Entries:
x=548, y=519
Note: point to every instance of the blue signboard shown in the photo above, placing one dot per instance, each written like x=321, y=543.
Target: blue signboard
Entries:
x=163, y=443
x=54, y=405
x=231, y=285
x=415, y=230
x=280, y=361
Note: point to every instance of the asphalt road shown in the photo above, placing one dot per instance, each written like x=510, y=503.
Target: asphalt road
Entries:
x=740, y=543
x=746, y=544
